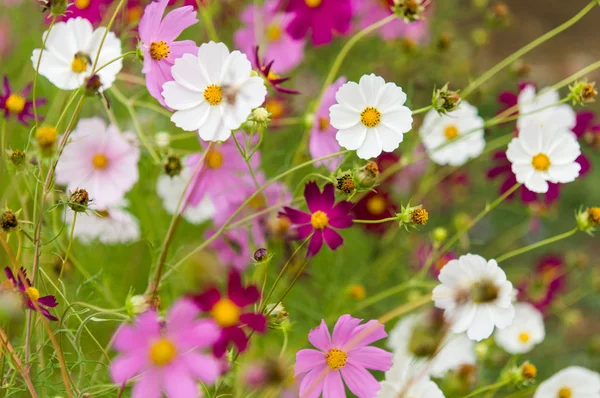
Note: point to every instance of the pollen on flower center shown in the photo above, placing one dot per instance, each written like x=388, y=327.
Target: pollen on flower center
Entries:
x=82, y=4
x=213, y=94
x=484, y=291
x=162, y=352
x=15, y=103
x=100, y=161
x=336, y=359
x=376, y=205
x=226, y=313
x=80, y=63
x=370, y=117
x=319, y=220
x=159, y=50
x=451, y=132
x=565, y=392
x=32, y=293
x=524, y=337
x=541, y=162
x=323, y=123
x=274, y=33
x=214, y=159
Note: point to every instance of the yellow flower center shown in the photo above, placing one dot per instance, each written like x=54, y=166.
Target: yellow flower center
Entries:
x=80, y=63
x=541, y=162
x=159, y=50
x=451, y=132
x=565, y=392
x=213, y=94
x=100, y=161
x=276, y=108
x=32, y=293
x=15, y=103
x=162, y=352
x=524, y=337
x=323, y=123
x=274, y=33
x=336, y=359
x=82, y=4
x=226, y=313
x=272, y=75
x=313, y=3
x=214, y=159
x=319, y=220
x=46, y=136
x=134, y=14
x=376, y=205
x=370, y=117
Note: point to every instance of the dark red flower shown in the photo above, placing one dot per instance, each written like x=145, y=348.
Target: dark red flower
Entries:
x=270, y=76
x=545, y=283
x=228, y=312
x=375, y=205
x=16, y=104
x=23, y=284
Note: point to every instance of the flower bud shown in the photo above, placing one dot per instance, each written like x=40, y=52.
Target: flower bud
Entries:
x=17, y=157
x=8, y=221
x=444, y=41
x=528, y=371
x=92, y=85
x=45, y=137
x=261, y=115
x=411, y=216
x=56, y=7
x=439, y=234
x=368, y=174
x=162, y=139
x=444, y=100
x=582, y=92
x=419, y=216
x=278, y=316
x=521, y=69
x=588, y=219
x=172, y=166
x=499, y=15
x=409, y=10
x=79, y=200
x=137, y=304
x=345, y=182
x=261, y=255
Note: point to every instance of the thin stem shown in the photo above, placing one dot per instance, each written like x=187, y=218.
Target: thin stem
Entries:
x=116, y=59
x=390, y=292
x=62, y=267
x=489, y=387
x=3, y=138
x=421, y=110
x=210, y=27
x=18, y=364
x=537, y=244
x=110, y=23
x=405, y=308
x=247, y=158
x=375, y=221
x=37, y=72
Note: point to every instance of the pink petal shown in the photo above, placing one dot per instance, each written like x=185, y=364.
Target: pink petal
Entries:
x=127, y=366
x=208, y=299
x=303, y=231
x=312, y=384
x=148, y=386
x=315, y=244
x=203, y=367
x=312, y=195
x=365, y=334
x=175, y=22
x=182, y=315
x=238, y=294
x=341, y=222
x=296, y=216
x=178, y=382
x=257, y=322
x=308, y=359
x=319, y=337
x=371, y=358
x=134, y=337
x=150, y=21
x=48, y=301
x=333, y=386
x=343, y=330
x=360, y=381
x=333, y=239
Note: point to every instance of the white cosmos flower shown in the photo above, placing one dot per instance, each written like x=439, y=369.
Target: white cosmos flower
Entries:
x=170, y=189
x=370, y=116
x=407, y=378
x=112, y=225
x=526, y=331
x=455, y=137
x=453, y=350
x=571, y=382
x=213, y=92
x=543, y=110
x=475, y=296
x=542, y=154
x=71, y=48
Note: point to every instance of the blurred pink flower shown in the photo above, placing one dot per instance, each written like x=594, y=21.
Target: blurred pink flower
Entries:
x=16, y=104
x=233, y=248
x=322, y=18
x=6, y=39
x=92, y=10
x=371, y=11
x=157, y=36
x=277, y=44
x=11, y=3
x=167, y=356
x=542, y=286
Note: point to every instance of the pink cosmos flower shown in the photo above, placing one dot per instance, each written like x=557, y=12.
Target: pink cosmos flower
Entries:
x=168, y=356
x=16, y=104
x=100, y=160
x=321, y=17
x=266, y=70
x=30, y=293
x=325, y=215
x=371, y=11
x=322, y=140
x=276, y=42
x=545, y=283
x=157, y=36
x=92, y=10
x=344, y=356
x=228, y=312
x=233, y=248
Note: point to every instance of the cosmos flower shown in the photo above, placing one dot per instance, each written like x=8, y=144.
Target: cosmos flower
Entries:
x=370, y=116
x=325, y=215
x=322, y=18
x=16, y=104
x=279, y=46
x=228, y=311
x=475, y=295
x=407, y=378
x=545, y=283
x=372, y=11
x=233, y=247
x=375, y=205
x=543, y=154
x=213, y=92
x=166, y=356
x=157, y=41
x=571, y=382
x=322, y=140
x=455, y=137
x=524, y=333
x=267, y=71
x=71, y=49
x=92, y=10
x=30, y=293
x=344, y=357
x=99, y=159
x=542, y=108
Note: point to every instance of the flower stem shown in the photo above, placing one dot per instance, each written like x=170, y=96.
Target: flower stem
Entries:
x=375, y=221
x=405, y=308
x=421, y=110
x=37, y=72
x=17, y=362
x=390, y=292
x=115, y=60
x=110, y=23
x=62, y=267
x=537, y=244
x=210, y=27
x=490, y=387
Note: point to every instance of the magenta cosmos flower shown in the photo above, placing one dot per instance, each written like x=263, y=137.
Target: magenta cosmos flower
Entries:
x=344, y=356
x=30, y=293
x=267, y=71
x=321, y=17
x=229, y=314
x=371, y=11
x=16, y=104
x=157, y=36
x=324, y=215
x=277, y=44
x=92, y=10
x=322, y=140
x=167, y=355
x=545, y=283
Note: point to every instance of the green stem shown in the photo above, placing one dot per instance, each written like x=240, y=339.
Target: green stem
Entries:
x=210, y=27
x=537, y=244
x=490, y=387
x=375, y=221
x=421, y=110
x=37, y=72
x=110, y=23
x=62, y=267
x=390, y=292
x=246, y=159
x=116, y=59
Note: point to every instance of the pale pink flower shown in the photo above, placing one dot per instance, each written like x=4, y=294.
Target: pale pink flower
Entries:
x=100, y=160
x=157, y=36
x=167, y=356
x=344, y=356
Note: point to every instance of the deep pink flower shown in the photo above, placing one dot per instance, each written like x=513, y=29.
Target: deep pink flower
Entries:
x=545, y=283
x=321, y=17
x=167, y=356
x=157, y=36
x=228, y=312
x=92, y=10
x=233, y=247
x=371, y=11
x=402, y=181
x=278, y=45
x=375, y=205
x=322, y=140
x=16, y=104
x=342, y=358
x=266, y=70
x=324, y=215
x=23, y=284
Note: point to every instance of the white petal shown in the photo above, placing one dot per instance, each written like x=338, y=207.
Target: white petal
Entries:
x=516, y=153
x=370, y=86
x=351, y=96
x=391, y=98
x=564, y=173
x=214, y=127
x=342, y=117
x=536, y=183
x=352, y=138
x=180, y=98
x=188, y=73
x=213, y=57
x=482, y=325
x=371, y=147
x=399, y=119
x=190, y=119
x=236, y=70
x=530, y=139
x=390, y=139
x=253, y=92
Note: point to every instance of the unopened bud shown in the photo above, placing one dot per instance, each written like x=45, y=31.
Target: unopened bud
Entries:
x=261, y=255
x=409, y=10
x=582, y=92
x=368, y=174
x=278, y=316
x=45, y=137
x=261, y=115
x=357, y=292
x=79, y=200
x=444, y=100
x=8, y=221
x=92, y=85
x=137, y=304
x=172, y=166
x=440, y=234
x=17, y=157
